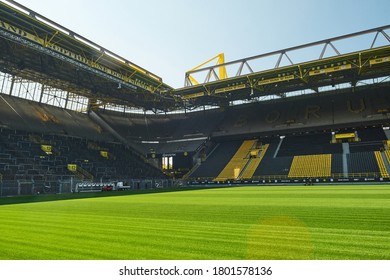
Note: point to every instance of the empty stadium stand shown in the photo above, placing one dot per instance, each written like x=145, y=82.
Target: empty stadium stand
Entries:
x=307, y=155
x=77, y=139
x=371, y=139
x=23, y=158
x=217, y=159
x=337, y=164
x=381, y=164
x=237, y=163
x=362, y=162
x=256, y=156
x=312, y=166
x=110, y=120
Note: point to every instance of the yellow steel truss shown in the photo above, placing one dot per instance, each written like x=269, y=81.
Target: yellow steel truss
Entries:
x=220, y=58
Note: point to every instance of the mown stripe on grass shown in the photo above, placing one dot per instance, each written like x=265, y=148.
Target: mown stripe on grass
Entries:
x=232, y=223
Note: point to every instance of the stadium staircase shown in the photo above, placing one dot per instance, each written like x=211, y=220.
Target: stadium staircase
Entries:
x=199, y=162
x=311, y=166
x=79, y=172
x=383, y=169
x=278, y=147
x=387, y=155
x=237, y=163
x=256, y=156
x=346, y=152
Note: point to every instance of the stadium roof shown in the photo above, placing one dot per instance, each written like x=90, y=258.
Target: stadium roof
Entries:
x=38, y=49
x=338, y=68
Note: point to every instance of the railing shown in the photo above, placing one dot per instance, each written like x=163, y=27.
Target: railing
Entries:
x=381, y=164
x=237, y=163
x=80, y=172
x=281, y=177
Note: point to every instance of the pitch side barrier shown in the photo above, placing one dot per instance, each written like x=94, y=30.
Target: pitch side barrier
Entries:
x=131, y=184
x=301, y=181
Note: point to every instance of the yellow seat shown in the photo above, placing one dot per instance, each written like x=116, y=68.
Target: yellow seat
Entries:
x=316, y=166
x=237, y=163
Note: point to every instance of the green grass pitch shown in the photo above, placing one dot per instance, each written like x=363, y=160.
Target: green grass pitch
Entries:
x=276, y=222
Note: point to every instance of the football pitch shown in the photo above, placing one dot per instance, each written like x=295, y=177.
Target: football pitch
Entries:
x=273, y=222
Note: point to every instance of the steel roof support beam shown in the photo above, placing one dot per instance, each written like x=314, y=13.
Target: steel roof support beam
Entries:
x=281, y=53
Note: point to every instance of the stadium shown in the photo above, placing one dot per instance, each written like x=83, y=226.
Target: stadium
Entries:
x=100, y=159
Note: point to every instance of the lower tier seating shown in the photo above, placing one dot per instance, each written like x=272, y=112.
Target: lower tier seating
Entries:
x=311, y=166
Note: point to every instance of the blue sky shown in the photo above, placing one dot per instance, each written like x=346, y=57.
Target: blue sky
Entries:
x=169, y=37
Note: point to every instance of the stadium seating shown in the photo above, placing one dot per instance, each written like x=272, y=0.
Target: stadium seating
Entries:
x=312, y=166
x=308, y=144
x=371, y=139
x=387, y=155
x=381, y=165
x=23, y=159
x=337, y=165
x=362, y=162
x=233, y=168
x=254, y=162
x=77, y=139
x=306, y=155
x=273, y=167
x=217, y=159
